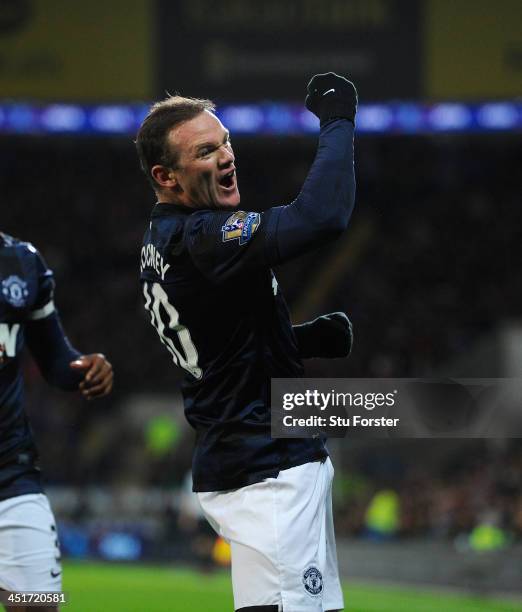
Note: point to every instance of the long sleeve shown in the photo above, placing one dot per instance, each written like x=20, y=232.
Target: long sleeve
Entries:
x=53, y=352
x=225, y=243
x=323, y=208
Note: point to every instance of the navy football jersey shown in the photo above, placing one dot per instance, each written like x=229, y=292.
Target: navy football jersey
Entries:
x=217, y=308
x=215, y=303
x=26, y=294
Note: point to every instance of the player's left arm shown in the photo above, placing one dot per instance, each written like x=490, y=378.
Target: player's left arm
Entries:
x=329, y=336
x=62, y=365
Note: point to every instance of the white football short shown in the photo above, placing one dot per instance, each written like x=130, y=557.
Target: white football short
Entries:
x=29, y=549
x=282, y=540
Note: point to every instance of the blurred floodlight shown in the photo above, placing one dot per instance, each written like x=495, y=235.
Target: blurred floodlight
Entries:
x=267, y=118
x=140, y=112
x=242, y=119
x=374, y=118
x=63, y=118
x=308, y=121
x=22, y=118
x=279, y=119
x=409, y=117
x=500, y=116
x=450, y=117
x=112, y=119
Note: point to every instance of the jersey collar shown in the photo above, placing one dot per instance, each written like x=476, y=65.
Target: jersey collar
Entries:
x=162, y=209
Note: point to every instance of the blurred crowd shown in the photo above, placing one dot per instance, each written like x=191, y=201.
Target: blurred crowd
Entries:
x=428, y=267
x=456, y=488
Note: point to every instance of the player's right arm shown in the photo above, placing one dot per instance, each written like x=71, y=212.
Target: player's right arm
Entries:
x=224, y=243
x=323, y=208
x=321, y=212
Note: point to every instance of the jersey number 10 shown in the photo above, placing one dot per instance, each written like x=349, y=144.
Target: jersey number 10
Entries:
x=156, y=302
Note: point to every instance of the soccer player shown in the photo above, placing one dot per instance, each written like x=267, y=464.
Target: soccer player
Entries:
x=29, y=553
x=215, y=303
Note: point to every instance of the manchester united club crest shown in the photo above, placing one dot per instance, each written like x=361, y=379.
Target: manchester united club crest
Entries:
x=14, y=290
x=313, y=581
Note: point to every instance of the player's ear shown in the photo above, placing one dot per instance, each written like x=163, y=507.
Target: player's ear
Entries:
x=165, y=177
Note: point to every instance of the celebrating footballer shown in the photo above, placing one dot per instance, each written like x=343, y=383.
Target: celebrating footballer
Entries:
x=209, y=288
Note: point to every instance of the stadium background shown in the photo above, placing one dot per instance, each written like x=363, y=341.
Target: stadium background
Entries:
x=428, y=271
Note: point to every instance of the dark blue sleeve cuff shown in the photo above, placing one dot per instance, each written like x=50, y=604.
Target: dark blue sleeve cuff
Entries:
x=53, y=352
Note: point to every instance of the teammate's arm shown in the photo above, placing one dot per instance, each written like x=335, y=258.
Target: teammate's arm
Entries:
x=53, y=352
x=329, y=336
x=97, y=375
x=62, y=365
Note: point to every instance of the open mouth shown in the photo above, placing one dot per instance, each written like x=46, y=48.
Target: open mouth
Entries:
x=228, y=180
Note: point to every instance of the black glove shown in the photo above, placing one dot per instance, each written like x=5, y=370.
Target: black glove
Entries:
x=331, y=96
x=328, y=336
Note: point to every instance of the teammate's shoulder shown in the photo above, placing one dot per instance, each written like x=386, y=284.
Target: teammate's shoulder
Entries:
x=21, y=246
